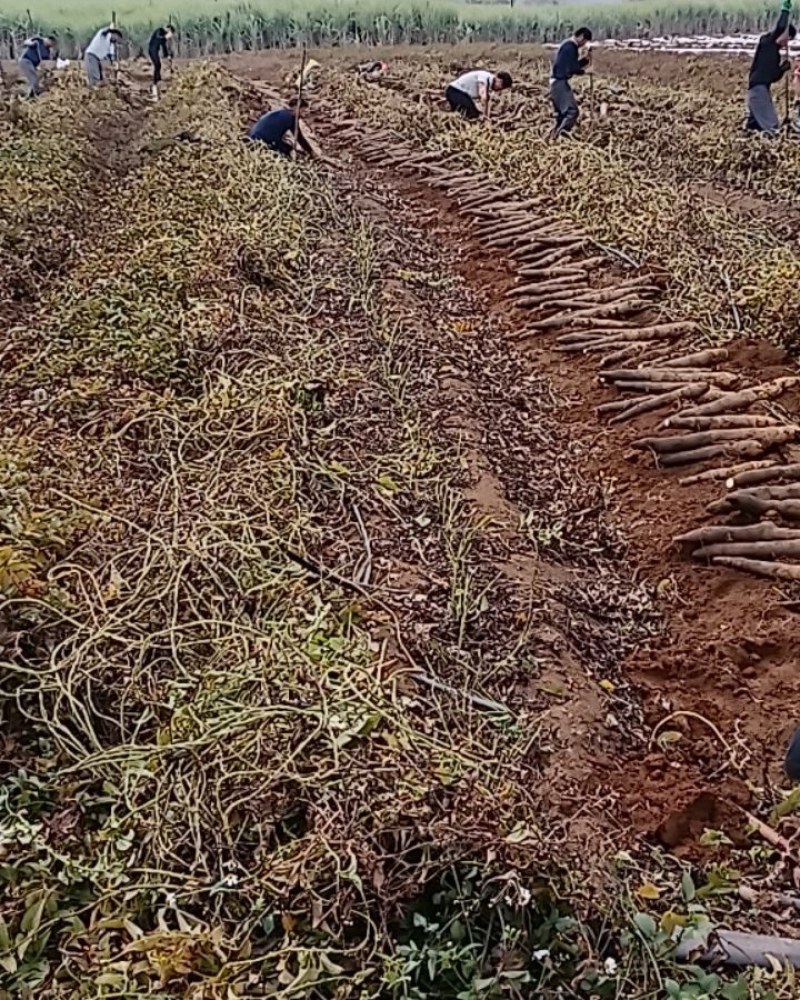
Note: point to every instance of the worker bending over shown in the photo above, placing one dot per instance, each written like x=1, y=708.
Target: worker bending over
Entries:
x=568, y=62
x=371, y=72
x=271, y=129
x=102, y=48
x=767, y=68
x=35, y=51
x=159, y=45
x=475, y=86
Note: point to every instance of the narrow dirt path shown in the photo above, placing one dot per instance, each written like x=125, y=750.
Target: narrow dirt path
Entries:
x=725, y=657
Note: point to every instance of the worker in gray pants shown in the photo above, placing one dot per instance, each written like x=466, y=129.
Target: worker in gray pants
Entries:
x=568, y=62
x=35, y=51
x=102, y=48
x=767, y=68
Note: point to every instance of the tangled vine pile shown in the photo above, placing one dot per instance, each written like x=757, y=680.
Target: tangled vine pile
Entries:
x=219, y=777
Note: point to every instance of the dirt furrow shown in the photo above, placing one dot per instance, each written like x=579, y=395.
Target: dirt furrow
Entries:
x=725, y=656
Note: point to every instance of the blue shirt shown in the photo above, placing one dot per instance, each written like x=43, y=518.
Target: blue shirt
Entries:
x=36, y=51
x=273, y=126
x=567, y=61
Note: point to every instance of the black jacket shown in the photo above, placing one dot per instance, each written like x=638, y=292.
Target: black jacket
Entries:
x=767, y=64
x=567, y=61
x=158, y=44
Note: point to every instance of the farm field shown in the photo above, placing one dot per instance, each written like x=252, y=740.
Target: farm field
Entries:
x=398, y=554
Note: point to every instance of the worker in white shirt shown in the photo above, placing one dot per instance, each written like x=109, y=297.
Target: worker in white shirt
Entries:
x=102, y=48
x=471, y=91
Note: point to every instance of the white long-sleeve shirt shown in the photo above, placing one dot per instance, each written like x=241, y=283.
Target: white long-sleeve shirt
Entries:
x=473, y=82
x=102, y=45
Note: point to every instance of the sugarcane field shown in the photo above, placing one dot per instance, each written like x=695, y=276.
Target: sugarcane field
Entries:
x=400, y=504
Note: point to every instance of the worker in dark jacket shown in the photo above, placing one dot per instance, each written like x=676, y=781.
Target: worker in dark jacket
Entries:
x=791, y=763
x=35, y=51
x=568, y=62
x=158, y=47
x=271, y=129
x=768, y=67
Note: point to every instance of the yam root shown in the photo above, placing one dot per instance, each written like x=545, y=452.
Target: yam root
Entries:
x=755, y=506
x=669, y=375
x=753, y=477
x=623, y=354
x=586, y=316
x=701, y=359
x=614, y=406
x=592, y=263
x=558, y=285
x=546, y=258
x=665, y=399
x=760, y=567
x=711, y=534
x=734, y=500
x=732, y=401
x=771, y=549
x=648, y=387
x=728, y=420
x=701, y=439
x=588, y=346
x=725, y=472
x=694, y=455
x=657, y=332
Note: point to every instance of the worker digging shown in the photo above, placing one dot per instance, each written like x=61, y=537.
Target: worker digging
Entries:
x=768, y=67
x=568, y=62
x=272, y=128
x=101, y=49
x=35, y=51
x=476, y=86
x=158, y=47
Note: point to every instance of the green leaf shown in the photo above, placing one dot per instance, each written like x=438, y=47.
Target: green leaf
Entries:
x=789, y=805
x=736, y=991
x=687, y=887
x=387, y=484
x=672, y=989
x=645, y=924
x=33, y=915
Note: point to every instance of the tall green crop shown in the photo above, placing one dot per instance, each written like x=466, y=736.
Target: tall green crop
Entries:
x=210, y=26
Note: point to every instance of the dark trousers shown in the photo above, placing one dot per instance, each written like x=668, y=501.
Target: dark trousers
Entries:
x=462, y=103
x=564, y=105
x=280, y=146
x=155, y=59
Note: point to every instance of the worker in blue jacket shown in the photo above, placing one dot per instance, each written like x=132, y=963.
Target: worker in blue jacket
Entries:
x=568, y=62
x=35, y=51
x=273, y=127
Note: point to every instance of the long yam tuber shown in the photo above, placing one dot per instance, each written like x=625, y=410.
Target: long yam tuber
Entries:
x=759, y=567
x=657, y=402
x=752, y=478
x=724, y=472
x=732, y=401
x=694, y=455
x=700, y=439
x=770, y=549
x=710, y=534
x=729, y=420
